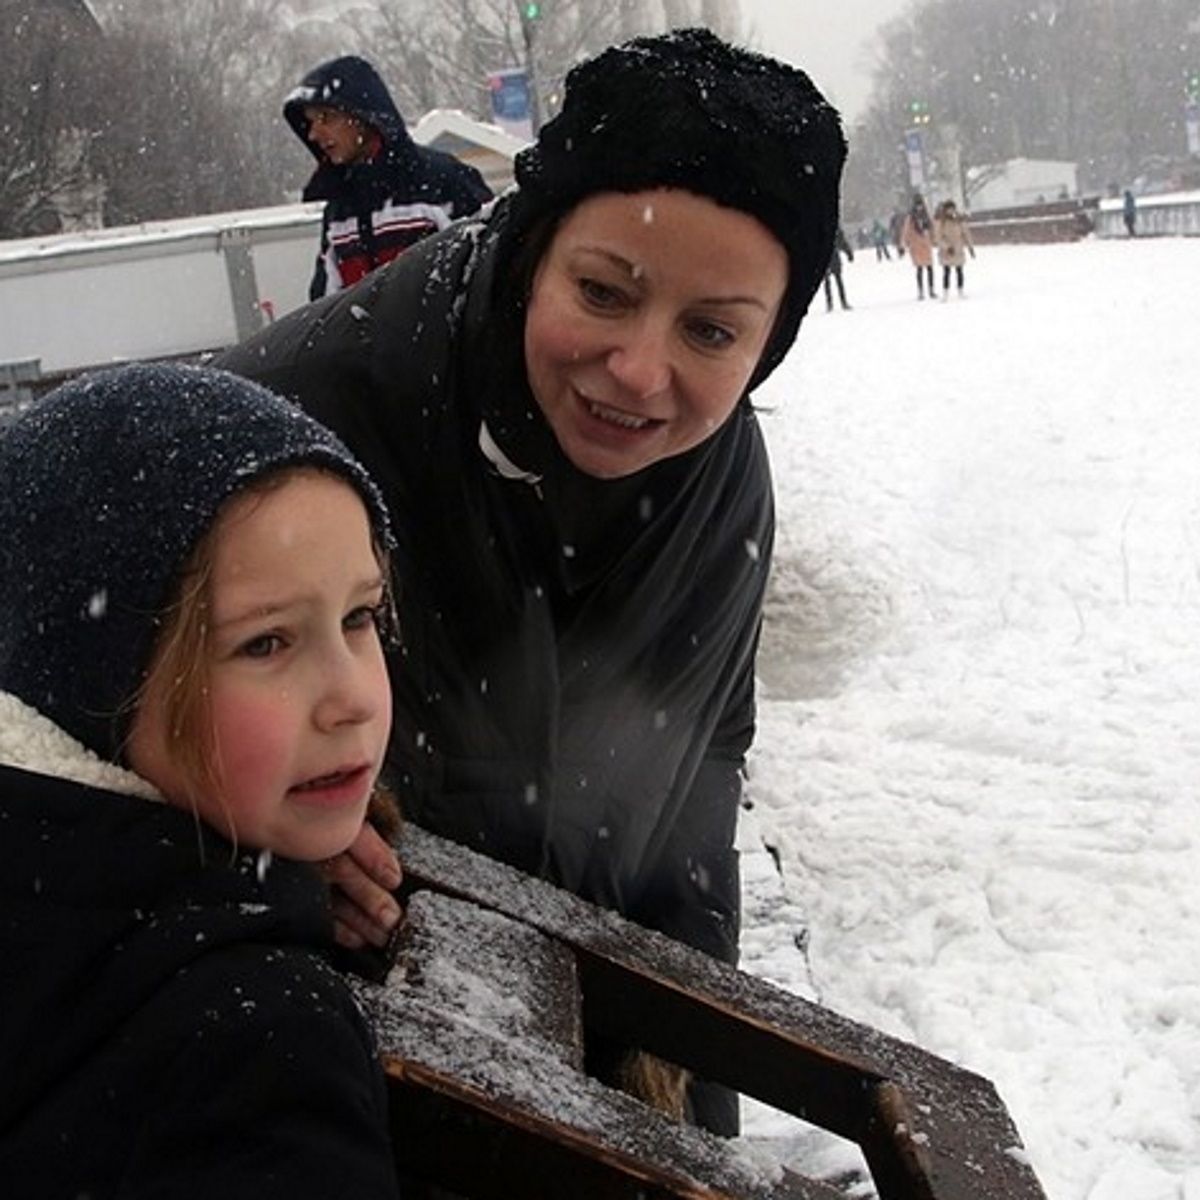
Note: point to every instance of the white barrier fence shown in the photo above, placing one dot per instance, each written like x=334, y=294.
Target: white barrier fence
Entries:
x=1172, y=214
x=172, y=288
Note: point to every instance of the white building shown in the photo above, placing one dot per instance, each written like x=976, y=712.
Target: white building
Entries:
x=486, y=147
x=1019, y=182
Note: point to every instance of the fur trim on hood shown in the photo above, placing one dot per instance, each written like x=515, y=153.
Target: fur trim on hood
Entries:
x=31, y=742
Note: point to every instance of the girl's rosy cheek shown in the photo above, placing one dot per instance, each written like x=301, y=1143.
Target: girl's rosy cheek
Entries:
x=252, y=736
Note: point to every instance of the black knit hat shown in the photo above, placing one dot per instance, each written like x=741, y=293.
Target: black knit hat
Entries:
x=106, y=485
x=687, y=110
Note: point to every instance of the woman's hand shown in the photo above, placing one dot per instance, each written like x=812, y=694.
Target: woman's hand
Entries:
x=362, y=879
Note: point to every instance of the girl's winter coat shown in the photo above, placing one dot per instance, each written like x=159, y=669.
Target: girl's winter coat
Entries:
x=375, y=210
x=576, y=691
x=168, y=1023
x=916, y=236
x=953, y=238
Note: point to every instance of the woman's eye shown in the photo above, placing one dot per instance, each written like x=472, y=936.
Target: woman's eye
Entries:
x=711, y=335
x=598, y=294
x=264, y=645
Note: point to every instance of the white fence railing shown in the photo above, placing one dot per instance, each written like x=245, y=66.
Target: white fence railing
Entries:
x=1172, y=214
x=152, y=291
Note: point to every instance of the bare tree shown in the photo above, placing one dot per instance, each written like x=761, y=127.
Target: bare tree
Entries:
x=201, y=129
x=1097, y=82
x=439, y=54
x=45, y=177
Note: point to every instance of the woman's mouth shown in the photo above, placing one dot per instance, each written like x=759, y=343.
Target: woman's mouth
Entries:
x=616, y=416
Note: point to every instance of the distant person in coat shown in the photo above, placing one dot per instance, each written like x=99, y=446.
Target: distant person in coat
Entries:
x=834, y=274
x=194, y=708
x=382, y=191
x=916, y=235
x=1129, y=213
x=953, y=237
x=556, y=397
x=880, y=239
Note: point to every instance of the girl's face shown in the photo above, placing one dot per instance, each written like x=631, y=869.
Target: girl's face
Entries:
x=647, y=317
x=297, y=689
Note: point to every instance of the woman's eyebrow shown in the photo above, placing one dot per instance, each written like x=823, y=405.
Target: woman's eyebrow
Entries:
x=634, y=272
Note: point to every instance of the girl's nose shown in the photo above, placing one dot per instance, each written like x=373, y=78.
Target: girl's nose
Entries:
x=351, y=690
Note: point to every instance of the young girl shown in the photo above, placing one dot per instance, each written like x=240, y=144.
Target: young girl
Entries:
x=953, y=243
x=916, y=235
x=193, y=710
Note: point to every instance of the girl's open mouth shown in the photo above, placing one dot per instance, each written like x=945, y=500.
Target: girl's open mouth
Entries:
x=338, y=787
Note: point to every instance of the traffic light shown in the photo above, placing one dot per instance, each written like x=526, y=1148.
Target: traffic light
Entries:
x=531, y=10
x=918, y=112
x=1193, y=85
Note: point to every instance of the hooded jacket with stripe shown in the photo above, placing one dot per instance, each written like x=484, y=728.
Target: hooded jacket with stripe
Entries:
x=169, y=1025
x=575, y=692
x=377, y=209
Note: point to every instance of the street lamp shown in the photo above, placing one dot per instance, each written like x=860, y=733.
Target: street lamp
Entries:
x=530, y=12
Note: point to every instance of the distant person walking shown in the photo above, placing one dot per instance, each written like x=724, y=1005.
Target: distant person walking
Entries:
x=916, y=236
x=879, y=239
x=382, y=191
x=1129, y=212
x=953, y=239
x=834, y=271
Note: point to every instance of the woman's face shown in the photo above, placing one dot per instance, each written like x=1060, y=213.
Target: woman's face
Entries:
x=647, y=317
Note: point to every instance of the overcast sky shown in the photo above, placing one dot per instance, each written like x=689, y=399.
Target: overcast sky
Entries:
x=830, y=39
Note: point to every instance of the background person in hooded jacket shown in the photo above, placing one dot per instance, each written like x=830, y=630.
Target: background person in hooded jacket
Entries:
x=382, y=191
x=555, y=400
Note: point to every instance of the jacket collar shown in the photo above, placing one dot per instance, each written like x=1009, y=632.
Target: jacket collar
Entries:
x=32, y=742
x=500, y=461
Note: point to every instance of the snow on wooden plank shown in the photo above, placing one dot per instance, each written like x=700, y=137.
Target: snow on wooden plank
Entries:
x=928, y=1129
x=478, y=1028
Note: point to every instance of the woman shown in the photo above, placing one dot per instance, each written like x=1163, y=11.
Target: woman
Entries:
x=916, y=235
x=953, y=242
x=555, y=399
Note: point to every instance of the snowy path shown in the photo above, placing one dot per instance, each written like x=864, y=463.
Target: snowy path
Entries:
x=979, y=747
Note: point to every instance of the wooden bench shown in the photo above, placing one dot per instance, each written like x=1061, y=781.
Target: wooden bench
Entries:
x=502, y=980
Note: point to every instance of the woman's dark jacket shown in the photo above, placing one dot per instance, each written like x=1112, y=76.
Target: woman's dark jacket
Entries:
x=168, y=1024
x=375, y=210
x=575, y=692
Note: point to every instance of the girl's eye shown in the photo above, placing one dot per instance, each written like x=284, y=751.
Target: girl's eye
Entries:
x=599, y=295
x=365, y=616
x=264, y=645
x=710, y=335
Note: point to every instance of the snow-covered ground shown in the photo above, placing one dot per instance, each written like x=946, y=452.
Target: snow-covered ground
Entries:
x=979, y=746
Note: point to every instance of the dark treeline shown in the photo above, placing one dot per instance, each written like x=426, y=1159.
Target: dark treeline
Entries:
x=133, y=110
x=1102, y=83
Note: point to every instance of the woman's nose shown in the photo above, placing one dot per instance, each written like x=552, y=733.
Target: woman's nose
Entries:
x=641, y=363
